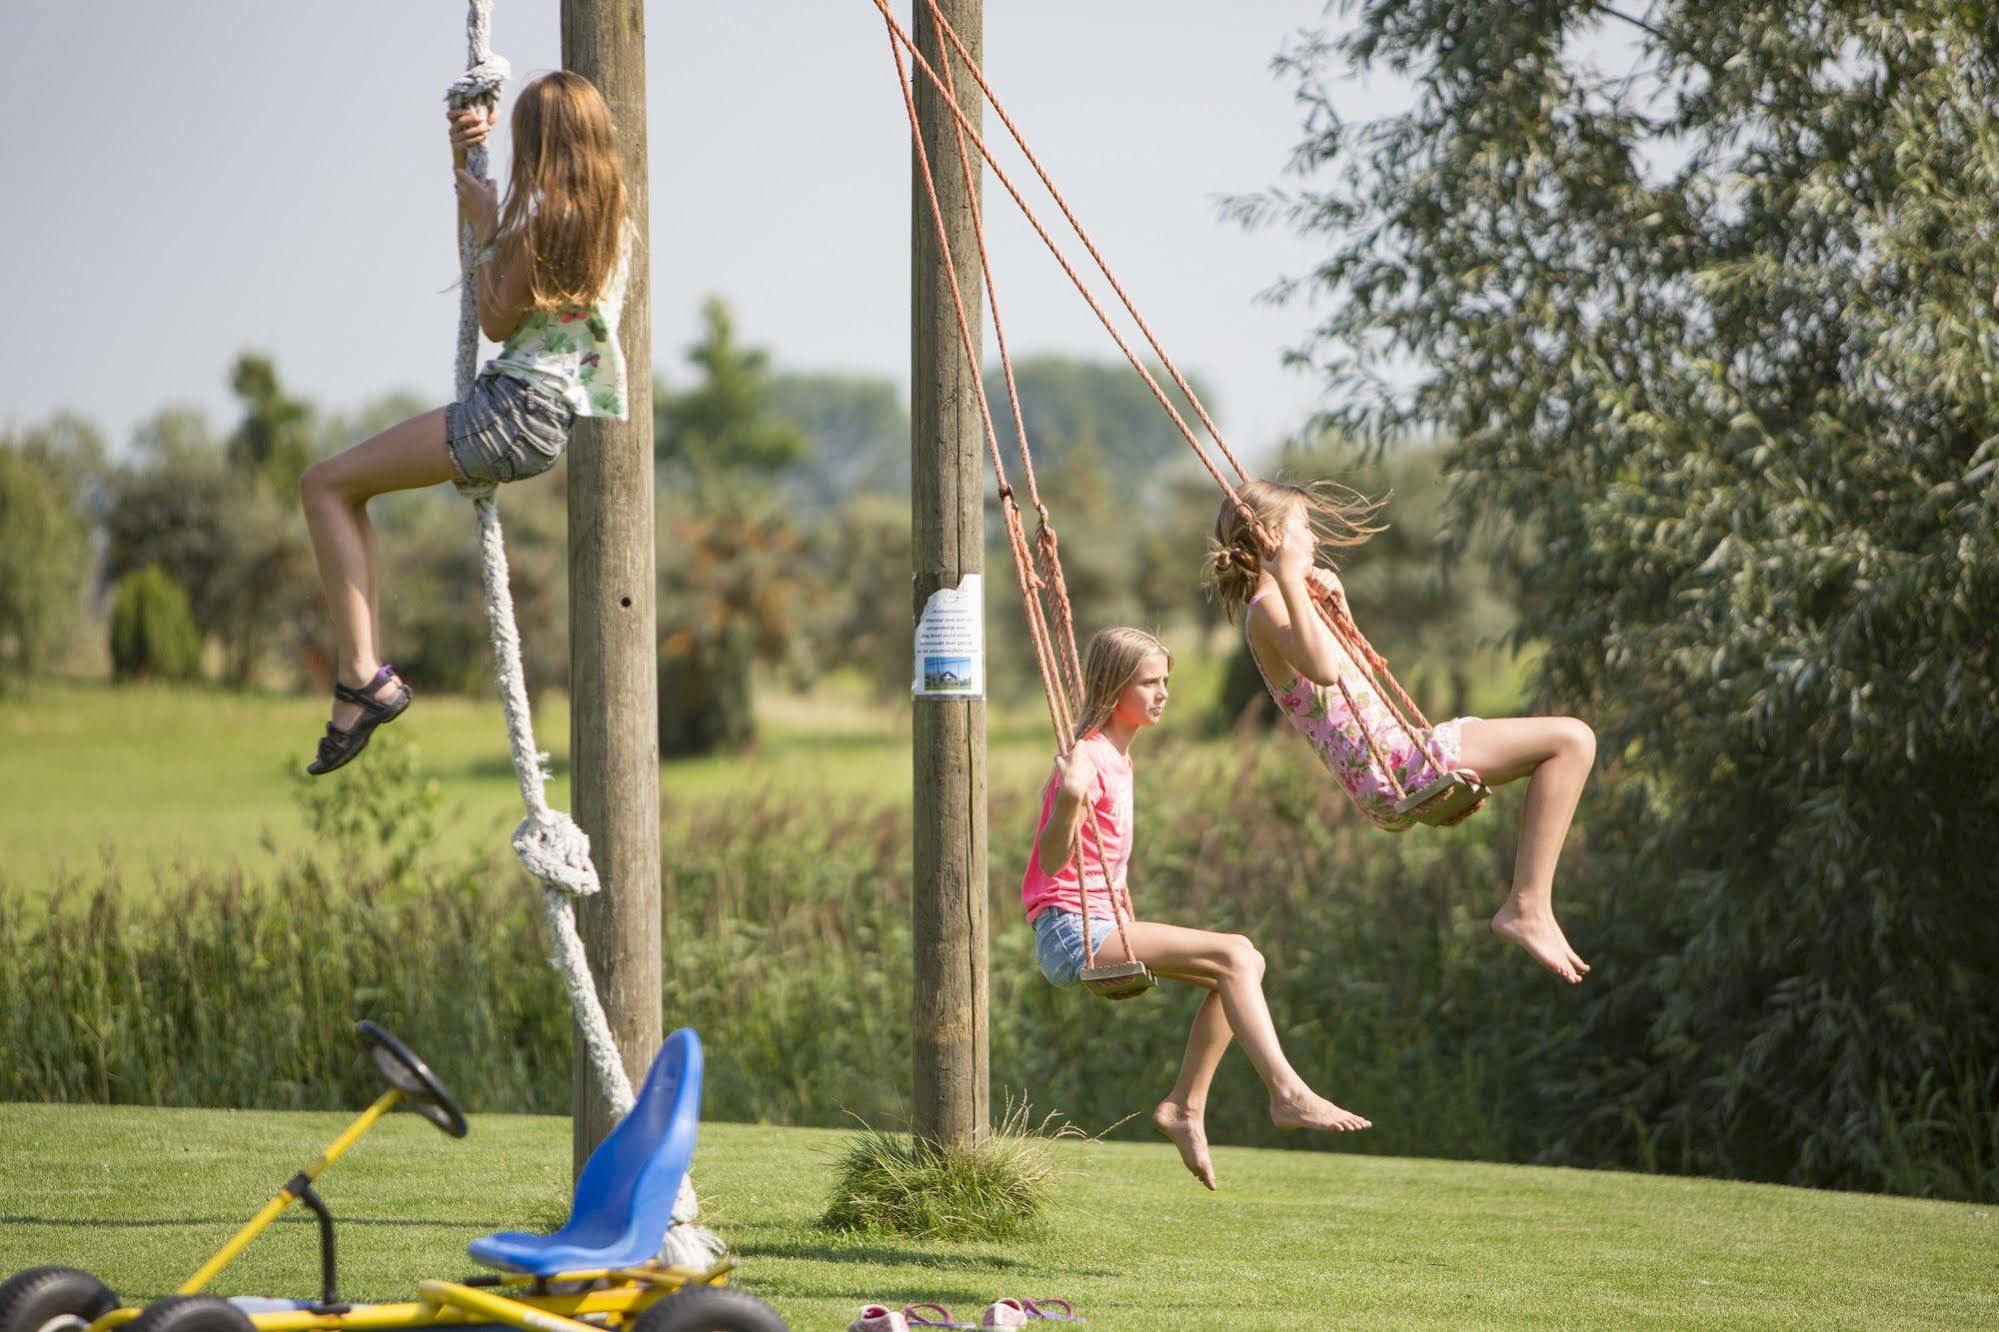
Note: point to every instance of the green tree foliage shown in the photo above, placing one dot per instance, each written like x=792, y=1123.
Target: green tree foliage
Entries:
x=725, y=423
x=856, y=432
x=225, y=536
x=44, y=541
x=1100, y=412
x=1106, y=456
x=731, y=597
x=274, y=439
x=730, y=552
x=862, y=616
x=851, y=489
x=152, y=630
x=433, y=601
x=1712, y=316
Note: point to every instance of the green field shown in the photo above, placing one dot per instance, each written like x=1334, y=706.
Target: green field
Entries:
x=1292, y=1240
x=147, y=776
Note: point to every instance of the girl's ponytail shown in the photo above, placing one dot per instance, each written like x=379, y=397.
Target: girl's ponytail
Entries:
x=1342, y=518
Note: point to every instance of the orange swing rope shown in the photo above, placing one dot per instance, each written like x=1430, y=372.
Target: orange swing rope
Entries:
x=1057, y=659
x=1052, y=634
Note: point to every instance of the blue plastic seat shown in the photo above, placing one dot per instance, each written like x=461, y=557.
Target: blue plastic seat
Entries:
x=624, y=1198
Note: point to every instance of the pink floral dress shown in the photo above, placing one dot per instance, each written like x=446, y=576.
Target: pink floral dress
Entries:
x=1321, y=714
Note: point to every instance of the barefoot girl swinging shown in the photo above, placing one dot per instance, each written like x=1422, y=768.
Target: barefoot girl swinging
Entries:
x=1124, y=677
x=1330, y=699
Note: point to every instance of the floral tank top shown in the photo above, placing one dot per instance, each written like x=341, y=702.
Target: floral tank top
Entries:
x=573, y=353
x=1321, y=715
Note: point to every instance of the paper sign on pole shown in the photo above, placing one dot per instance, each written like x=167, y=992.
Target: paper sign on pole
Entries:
x=951, y=642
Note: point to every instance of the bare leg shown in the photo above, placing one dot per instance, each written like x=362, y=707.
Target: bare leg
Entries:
x=371, y=548
x=1555, y=755
x=335, y=493
x=1231, y=966
x=1182, y=1116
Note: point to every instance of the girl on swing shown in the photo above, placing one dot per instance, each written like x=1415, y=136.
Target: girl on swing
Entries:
x=1303, y=663
x=1124, y=677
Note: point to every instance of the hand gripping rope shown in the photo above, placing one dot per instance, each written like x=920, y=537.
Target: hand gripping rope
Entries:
x=549, y=844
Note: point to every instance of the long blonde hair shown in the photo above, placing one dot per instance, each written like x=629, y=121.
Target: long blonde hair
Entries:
x=1110, y=664
x=566, y=194
x=1340, y=516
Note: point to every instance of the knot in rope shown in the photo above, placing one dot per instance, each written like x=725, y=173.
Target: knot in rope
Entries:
x=480, y=84
x=553, y=849
x=1016, y=540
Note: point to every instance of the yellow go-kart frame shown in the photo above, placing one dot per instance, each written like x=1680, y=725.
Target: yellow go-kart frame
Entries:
x=645, y=1297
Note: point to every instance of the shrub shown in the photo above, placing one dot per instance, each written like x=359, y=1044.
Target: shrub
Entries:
x=152, y=630
x=44, y=554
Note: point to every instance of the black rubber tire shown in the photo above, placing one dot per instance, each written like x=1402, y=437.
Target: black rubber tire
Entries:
x=30, y=1300
x=710, y=1309
x=192, y=1313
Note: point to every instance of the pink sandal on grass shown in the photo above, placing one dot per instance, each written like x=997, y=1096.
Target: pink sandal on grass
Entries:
x=943, y=1318
x=1042, y=1310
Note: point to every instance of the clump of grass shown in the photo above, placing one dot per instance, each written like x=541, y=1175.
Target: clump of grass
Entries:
x=996, y=1187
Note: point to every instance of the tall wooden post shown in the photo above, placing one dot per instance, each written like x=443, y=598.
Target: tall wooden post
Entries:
x=947, y=500
x=613, y=650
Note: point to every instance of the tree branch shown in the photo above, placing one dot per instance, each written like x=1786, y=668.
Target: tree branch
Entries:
x=1602, y=8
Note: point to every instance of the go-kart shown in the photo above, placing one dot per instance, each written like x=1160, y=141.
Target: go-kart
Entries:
x=599, y=1271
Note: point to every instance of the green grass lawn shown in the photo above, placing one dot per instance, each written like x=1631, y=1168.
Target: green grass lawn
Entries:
x=1293, y=1239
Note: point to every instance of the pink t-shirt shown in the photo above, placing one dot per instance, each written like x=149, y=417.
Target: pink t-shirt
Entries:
x=1107, y=853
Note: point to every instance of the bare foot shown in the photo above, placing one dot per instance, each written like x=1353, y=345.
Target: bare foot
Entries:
x=345, y=714
x=1184, y=1129
x=1310, y=1110
x=1542, y=938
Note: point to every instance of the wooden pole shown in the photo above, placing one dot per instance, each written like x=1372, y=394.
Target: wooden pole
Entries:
x=613, y=652
x=947, y=500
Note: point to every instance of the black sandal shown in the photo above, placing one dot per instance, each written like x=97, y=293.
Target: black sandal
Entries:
x=337, y=748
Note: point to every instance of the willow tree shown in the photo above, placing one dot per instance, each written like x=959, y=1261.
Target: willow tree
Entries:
x=1705, y=295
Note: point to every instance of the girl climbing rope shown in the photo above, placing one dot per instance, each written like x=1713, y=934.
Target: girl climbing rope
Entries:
x=549, y=270
x=1085, y=833
x=1311, y=659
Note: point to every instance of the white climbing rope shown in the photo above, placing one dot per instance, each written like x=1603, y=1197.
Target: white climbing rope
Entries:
x=548, y=842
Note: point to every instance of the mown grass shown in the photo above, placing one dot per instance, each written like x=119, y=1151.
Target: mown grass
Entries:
x=141, y=1196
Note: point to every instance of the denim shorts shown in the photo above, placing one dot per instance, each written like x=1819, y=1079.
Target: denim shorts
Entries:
x=504, y=429
x=1058, y=943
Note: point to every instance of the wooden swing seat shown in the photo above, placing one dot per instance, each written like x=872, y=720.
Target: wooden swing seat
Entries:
x=1451, y=798
x=1118, y=980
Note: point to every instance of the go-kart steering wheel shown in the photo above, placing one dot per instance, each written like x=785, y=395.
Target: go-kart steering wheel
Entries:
x=401, y=1069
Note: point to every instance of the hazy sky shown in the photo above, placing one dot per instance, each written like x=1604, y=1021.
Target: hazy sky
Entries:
x=187, y=180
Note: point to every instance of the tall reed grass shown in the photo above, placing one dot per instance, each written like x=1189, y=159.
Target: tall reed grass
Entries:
x=786, y=943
